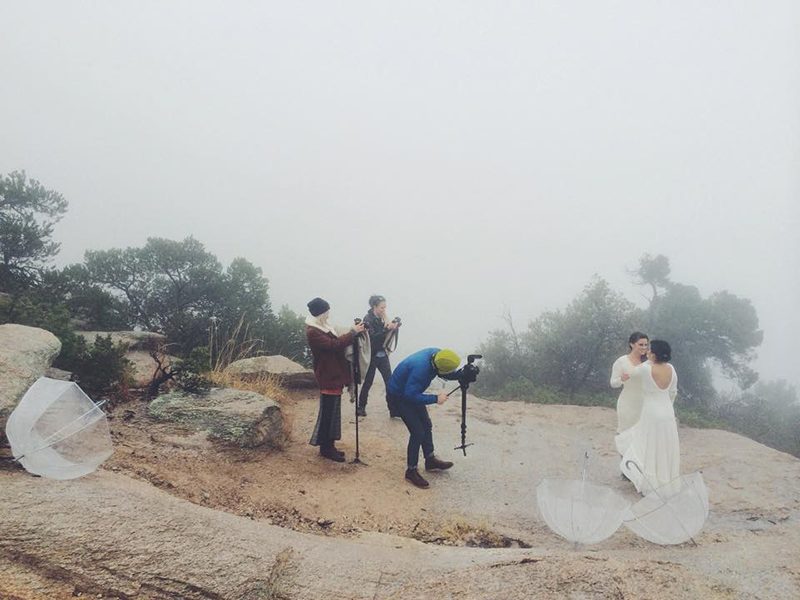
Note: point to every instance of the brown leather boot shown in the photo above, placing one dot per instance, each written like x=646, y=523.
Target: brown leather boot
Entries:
x=434, y=464
x=414, y=477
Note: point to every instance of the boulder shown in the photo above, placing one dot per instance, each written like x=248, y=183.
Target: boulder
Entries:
x=135, y=340
x=247, y=419
x=59, y=374
x=25, y=355
x=291, y=374
x=143, y=366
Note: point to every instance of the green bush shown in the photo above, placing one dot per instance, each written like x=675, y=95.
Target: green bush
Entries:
x=524, y=390
x=699, y=420
x=99, y=368
x=190, y=373
x=38, y=310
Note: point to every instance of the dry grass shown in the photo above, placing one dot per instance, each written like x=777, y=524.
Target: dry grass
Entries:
x=267, y=384
x=238, y=346
x=459, y=532
x=226, y=347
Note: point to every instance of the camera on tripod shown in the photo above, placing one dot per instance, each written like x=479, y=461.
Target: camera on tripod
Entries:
x=469, y=374
x=398, y=321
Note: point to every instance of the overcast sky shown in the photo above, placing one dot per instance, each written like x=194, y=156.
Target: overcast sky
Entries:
x=453, y=156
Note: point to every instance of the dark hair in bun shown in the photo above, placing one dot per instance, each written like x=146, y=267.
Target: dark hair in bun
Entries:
x=375, y=300
x=662, y=350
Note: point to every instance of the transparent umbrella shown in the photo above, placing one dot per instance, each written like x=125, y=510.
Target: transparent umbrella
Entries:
x=671, y=514
x=57, y=431
x=579, y=511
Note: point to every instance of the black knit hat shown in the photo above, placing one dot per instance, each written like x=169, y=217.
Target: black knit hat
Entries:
x=318, y=306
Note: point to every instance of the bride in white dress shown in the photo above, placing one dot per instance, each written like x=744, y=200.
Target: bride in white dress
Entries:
x=650, y=449
x=629, y=403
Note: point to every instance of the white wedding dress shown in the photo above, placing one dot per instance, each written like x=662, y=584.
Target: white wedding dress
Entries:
x=629, y=403
x=652, y=443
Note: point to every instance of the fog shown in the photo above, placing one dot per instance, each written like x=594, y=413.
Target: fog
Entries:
x=456, y=157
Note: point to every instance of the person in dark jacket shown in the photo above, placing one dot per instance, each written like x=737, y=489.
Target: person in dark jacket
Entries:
x=407, y=391
x=333, y=374
x=375, y=321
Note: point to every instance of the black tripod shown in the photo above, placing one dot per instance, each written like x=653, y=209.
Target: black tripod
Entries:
x=469, y=374
x=356, y=382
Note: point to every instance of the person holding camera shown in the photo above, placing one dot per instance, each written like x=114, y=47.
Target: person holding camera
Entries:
x=333, y=374
x=406, y=392
x=376, y=323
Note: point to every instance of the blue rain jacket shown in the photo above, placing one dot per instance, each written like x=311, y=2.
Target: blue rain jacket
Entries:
x=414, y=375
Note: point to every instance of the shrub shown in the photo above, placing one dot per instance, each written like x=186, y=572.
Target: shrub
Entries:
x=525, y=390
x=37, y=310
x=99, y=368
x=190, y=373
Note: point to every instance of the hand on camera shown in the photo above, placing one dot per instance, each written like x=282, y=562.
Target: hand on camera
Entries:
x=392, y=325
x=441, y=398
x=358, y=328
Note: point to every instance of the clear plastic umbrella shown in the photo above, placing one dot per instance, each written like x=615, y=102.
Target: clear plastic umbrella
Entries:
x=579, y=511
x=671, y=514
x=57, y=431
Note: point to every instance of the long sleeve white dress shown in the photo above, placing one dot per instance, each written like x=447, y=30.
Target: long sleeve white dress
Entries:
x=652, y=443
x=629, y=403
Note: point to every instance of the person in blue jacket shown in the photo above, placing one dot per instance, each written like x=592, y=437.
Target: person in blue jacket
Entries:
x=406, y=392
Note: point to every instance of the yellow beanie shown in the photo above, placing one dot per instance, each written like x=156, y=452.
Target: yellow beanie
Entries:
x=446, y=361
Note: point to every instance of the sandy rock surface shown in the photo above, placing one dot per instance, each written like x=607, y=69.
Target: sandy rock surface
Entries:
x=171, y=517
x=135, y=340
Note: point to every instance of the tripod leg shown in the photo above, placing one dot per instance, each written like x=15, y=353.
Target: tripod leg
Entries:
x=355, y=389
x=356, y=381
x=464, y=419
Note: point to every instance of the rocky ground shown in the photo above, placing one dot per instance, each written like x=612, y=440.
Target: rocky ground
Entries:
x=172, y=515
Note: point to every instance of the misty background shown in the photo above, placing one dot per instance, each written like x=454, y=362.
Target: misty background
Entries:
x=456, y=157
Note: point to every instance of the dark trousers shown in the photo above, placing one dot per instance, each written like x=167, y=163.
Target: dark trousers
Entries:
x=379, y=363
x=329, y=421
x=419, y=425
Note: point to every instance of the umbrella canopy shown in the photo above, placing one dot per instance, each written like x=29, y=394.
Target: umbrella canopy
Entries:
x=57, y=431
x=672, y=514
x=578, y=511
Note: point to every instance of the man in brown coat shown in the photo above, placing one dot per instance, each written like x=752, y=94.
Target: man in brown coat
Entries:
x=333, y=374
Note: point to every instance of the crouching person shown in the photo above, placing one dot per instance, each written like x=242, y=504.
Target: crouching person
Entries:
x=407, y=394
x=333, y=374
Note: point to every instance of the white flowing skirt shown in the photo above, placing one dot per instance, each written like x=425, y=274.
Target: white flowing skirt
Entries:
x=629, y=407
x=651, y=445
